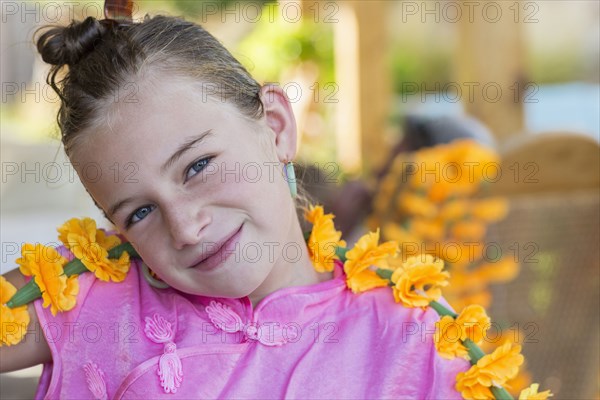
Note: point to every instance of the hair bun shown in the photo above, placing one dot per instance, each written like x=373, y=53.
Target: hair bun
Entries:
x=67, y=45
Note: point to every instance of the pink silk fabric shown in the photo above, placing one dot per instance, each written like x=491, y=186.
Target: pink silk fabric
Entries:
x=129, y=340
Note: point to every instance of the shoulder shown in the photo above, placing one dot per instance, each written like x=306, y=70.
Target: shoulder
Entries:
x=380, y=303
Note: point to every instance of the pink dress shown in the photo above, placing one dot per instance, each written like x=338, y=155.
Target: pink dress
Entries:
x=130, y=340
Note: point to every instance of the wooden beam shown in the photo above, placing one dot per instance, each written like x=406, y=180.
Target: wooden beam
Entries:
x=364, y=84
x=490, y=64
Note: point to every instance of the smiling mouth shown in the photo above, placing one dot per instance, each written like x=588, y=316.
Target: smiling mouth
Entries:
x=223, y=250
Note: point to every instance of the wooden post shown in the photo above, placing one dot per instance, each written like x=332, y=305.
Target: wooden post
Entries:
x=364, y=84
x=490, y=64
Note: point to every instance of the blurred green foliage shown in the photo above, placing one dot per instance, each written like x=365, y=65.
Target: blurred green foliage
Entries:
x=194, y=8
x=279, y=45
x=419, y=64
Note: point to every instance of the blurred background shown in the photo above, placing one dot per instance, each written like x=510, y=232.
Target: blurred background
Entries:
x=451, y=125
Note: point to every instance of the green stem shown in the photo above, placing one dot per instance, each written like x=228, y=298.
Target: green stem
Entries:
x=27, y=293
x=341, y=253
x=385, y=274
x=116, y=251
x=441, y=309
x=31, y=290
x=75, y=267
x=475, y=353
x=500, y=393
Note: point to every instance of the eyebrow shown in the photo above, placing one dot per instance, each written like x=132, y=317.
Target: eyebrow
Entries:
x=185, y=146
x=181, y=150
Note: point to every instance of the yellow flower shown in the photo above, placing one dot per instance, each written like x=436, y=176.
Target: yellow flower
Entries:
x=429, y=229
x=419, y=281
x=469, y=230
x=410, y=245
x=447, y=338
x=492, y=369
x=367, y=253
x=78, y=227
x=473, y=322
x=490, y=210
x=115, y=270
x=504, y=270
x=453, y=210
x=454, y=169
x=315, y=213
x=483, y=298
x=13, y=321
x=531, y=393
x=91, y=246
x=462, y=254
x=107, y=242
x=413, y=204
x=519, y=382
x=323, y=240
x=425, y=170
x=45, y=264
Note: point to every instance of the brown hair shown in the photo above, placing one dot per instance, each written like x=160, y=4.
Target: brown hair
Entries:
x=102, y=56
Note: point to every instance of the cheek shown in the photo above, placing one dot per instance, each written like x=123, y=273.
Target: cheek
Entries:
x=152, y=249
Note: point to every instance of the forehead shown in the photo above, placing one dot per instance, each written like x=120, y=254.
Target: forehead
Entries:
x=159, y=110
x=126, y=153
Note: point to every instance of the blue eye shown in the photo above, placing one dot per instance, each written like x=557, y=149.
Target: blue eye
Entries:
x=197, y=167
x=139, y=214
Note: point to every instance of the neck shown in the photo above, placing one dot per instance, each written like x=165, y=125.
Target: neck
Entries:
x=287, y=274
x=300, y=273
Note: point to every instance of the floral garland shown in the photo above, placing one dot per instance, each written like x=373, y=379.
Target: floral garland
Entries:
x=437, y=200
x=54, y=275
x=416, y=282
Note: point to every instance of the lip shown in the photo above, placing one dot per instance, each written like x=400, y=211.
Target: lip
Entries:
x=224, y=251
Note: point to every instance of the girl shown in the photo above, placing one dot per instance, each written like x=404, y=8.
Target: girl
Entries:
x=239, y=310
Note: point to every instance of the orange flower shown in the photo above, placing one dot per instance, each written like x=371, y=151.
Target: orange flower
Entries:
x=91, y=245
x=447, y=339
x=425, y=170
x=461, y=254
x=454, y=210
x=531, y=393
x=77, y=227
x=323, y=240
x=519, y=382
x=504, y=270
x=409, y=245
x=490, y=210
x=454, y=169
x=13, y=321
x=463, y=299
x=469, y=230
x=471, y=323
x=367, y=253
x=474, y=322
x=428, y=229
x=413, y=204
x=491, y=370
x=419, y=281
x=115, y=270
x=45, y=264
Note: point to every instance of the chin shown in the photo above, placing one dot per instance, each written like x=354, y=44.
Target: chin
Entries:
x=238, y=292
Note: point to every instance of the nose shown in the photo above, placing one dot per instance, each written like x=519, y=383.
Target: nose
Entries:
x=186, y=223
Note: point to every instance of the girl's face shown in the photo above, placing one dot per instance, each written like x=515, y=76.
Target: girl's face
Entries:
x=179, y=174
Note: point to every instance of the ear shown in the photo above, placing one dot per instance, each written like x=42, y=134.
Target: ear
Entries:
x=280, y=119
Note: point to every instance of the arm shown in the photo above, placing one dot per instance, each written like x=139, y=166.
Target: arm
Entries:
x=30, y=351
